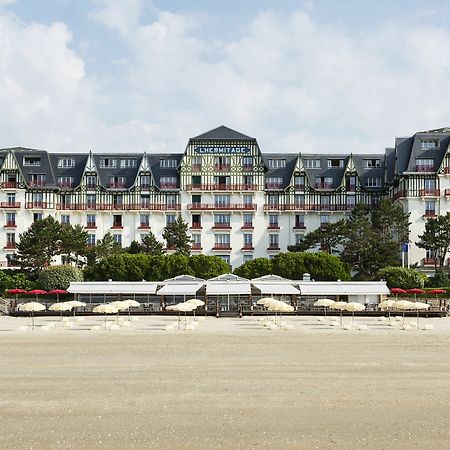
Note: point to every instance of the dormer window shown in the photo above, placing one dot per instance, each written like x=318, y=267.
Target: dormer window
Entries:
x=372, y=163
x=335, y=163
x=429, y=144
x=128, y=163
x=373, y=182
x=277, y=163
x=168, y=163
x=312, y=163
x=65, y=163
x=108, y=163
x=31, y=161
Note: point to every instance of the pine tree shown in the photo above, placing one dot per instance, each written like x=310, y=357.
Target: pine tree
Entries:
x=177, y=238
x=151, y=245
x=436, y=238
x=73, y=243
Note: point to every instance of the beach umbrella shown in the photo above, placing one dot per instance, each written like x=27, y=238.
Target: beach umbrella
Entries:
x=132, y=304
x=415, y=291
x=353, y=306
x=60, y=307
x=397, y=291
x=57, y=292
x=436, y=292
x=404, y=305
x=422, y=307
x=340, y=306
x=37, y=292
x=32, y=307
x=325, y=303
x=196, y=302
x=105, y=308
x=75, y=304
x=386, y=305
x=16, y=292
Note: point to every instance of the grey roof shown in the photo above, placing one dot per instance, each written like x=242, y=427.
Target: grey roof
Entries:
x=130, y=173
x=76, y=172
x=336, y=173
x=281, y=172
x=364, y=172
x=222, y=133
x=158, y=172
x=44, y=167
x=389, y=165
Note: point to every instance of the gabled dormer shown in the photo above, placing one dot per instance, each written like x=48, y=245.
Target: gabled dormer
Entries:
x=144, y=177
x=11, y=176
x=299, y=180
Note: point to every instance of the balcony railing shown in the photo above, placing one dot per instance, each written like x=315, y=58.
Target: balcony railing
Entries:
x=299, y=187
x=222, y=207
x=424, y=168
x=10, y=245
x=145, y=187
x=91, y=225
x=429, y=213
x=429, y=261
x=196, y=246
x=274, y=207
x=10, y=204
x=91, y=186
x=222, y=226
x=247, y=167
x=323, y=185
x=10, y=224
x=222, y=187
x=307, y=207
x=399, y=194
x=37, y=205
x=196, y=226
x=9, y=185
x=247, y=247
x=168, y=186
x=447, y=192
x=117, y=185
x=273, y=226
x=299, y=226
x=430, y=192
x=222, y=167
x=144, y=226
x=274, y=185
x=273, y=247
x=247, y=226
x=117, y=226
x=66, y=185
x=196, y=167
x=37, y=183
x=119, y=206
x=222, y=246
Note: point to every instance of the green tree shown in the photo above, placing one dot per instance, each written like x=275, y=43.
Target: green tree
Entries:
x=73, y=243
x=254, y=268
x=177, y=237
x=205, y=267
x=59, y=277
x=436, y=238
x=134, y=248
x=401, y=277
x=39, y=244
x=151, y=245
x=105, y=247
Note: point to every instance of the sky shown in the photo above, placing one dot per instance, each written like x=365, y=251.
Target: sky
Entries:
x=312, y=76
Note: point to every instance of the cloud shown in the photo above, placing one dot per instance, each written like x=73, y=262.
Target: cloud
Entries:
x=295, y=83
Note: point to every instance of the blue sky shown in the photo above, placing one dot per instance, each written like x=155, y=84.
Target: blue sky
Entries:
x=301, y=76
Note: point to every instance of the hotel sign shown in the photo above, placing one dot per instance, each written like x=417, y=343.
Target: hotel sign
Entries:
x=222, y=150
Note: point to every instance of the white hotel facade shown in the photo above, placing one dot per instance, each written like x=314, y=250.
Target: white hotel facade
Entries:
x=239, y=203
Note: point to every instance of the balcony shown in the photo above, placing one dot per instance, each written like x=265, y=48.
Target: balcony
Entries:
x=447, y=192
x=196, y=226
x=9, y=185
x=429, y=214
x=273, y=226
x=10, y=246
x=117, y=185
x=66, y=185
x=117, y=226
x=247, y=226
x=221, y=206
x=168, y=186
x=144, y=226
x=222, y=246
x=429, y=261
x=119, y=206
x=196, y=167
x=273, y=207
x=196, y=246
x=424, y=168
x=91, y=226
x=222, y=226
x=10, y=225
x=247, y=247
x=399, y=194
x=299, y=226
x=90, y=245
x=91, y=187
x=36, y=183
x=323, y=185
x=299, y=187
x=274, y=185
x=430, y=192
x=36, y=205
x=247, y=167
x=222, y=167
x=145, y=187
x=10, y=204
x=221, y=187
x=273, y=247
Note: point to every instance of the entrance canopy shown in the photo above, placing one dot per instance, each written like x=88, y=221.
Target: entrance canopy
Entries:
x=180, y=289
x=276, y=289
x=343, y=288
x=112, y=287
x=227, y=288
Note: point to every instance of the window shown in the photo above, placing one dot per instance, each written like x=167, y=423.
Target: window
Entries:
x=222, y=219
x=222, y=200
x=222, y=163
x=222, y=240
x=430, y=208
x=273, y=199
x=277, y=163
x=171, y=200
x=299, y=238
x=91, y=239
x=36, y=179
x=299, y=182
x=299, y=221
x=37, y=216
x=117, y=182
x=196, y=221
x=91, y=181
x=373, y=182
x=371, y=163
x=312, y=163
x=117, y=221
x=247, y=180
x=247, y=257
x=108, y=163
x=197, y=239
x=168, y=163
x=65, y=199
x=248, y=199
x=248, y=240
x=248, y=220
x=37, y=197
x=31, y=161
x=299, y=200
x=325, y=200
x=273, y=241
x=117, y=199
x=127, y=163
x=170, y=219
x=10, y=219
x=11, y=198
x=350, y=183
x=118, y=239
x=196, y=163
x=274, y=182
x=65, y=219
x=90, y=220
x=273, y=220
x=168, y=182
x=10, y=240
x=324, y=182
x=424, y=165
x=145, y=200
x=429, y=184
x=428, y=144
x=65, y=181
x=247, y=163
x=351, y=201
x=324, y=220
x=225, y=258
x=91, y=200
x=335, y=163
x=145, y=220
x=145, y=181
x=65, y=163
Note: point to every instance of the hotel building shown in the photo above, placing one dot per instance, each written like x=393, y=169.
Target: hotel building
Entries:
x=239, y=203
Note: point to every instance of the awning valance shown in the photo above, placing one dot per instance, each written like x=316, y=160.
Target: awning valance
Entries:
x=225, y=288
x=280, y=289
x=180, y=289
x=324, y=288
x=112, y=287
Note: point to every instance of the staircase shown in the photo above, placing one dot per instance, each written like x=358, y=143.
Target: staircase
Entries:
x=4, y=307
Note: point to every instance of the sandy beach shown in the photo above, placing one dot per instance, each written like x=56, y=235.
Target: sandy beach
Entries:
x=230, y=383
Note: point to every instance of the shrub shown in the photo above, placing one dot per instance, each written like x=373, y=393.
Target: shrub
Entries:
x=58, y=277
x=254, y=268
x=402, y=277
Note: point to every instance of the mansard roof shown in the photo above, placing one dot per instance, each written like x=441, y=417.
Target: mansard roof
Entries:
x=44, y=167
x=222, y=133
x=369, y=172
x=129, y=173
x=155, y=165
x=336, y=173
x=281, y=172
x=389, y=165
x=76, y=172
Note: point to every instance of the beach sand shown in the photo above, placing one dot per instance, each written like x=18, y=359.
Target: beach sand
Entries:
x=229, y=384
